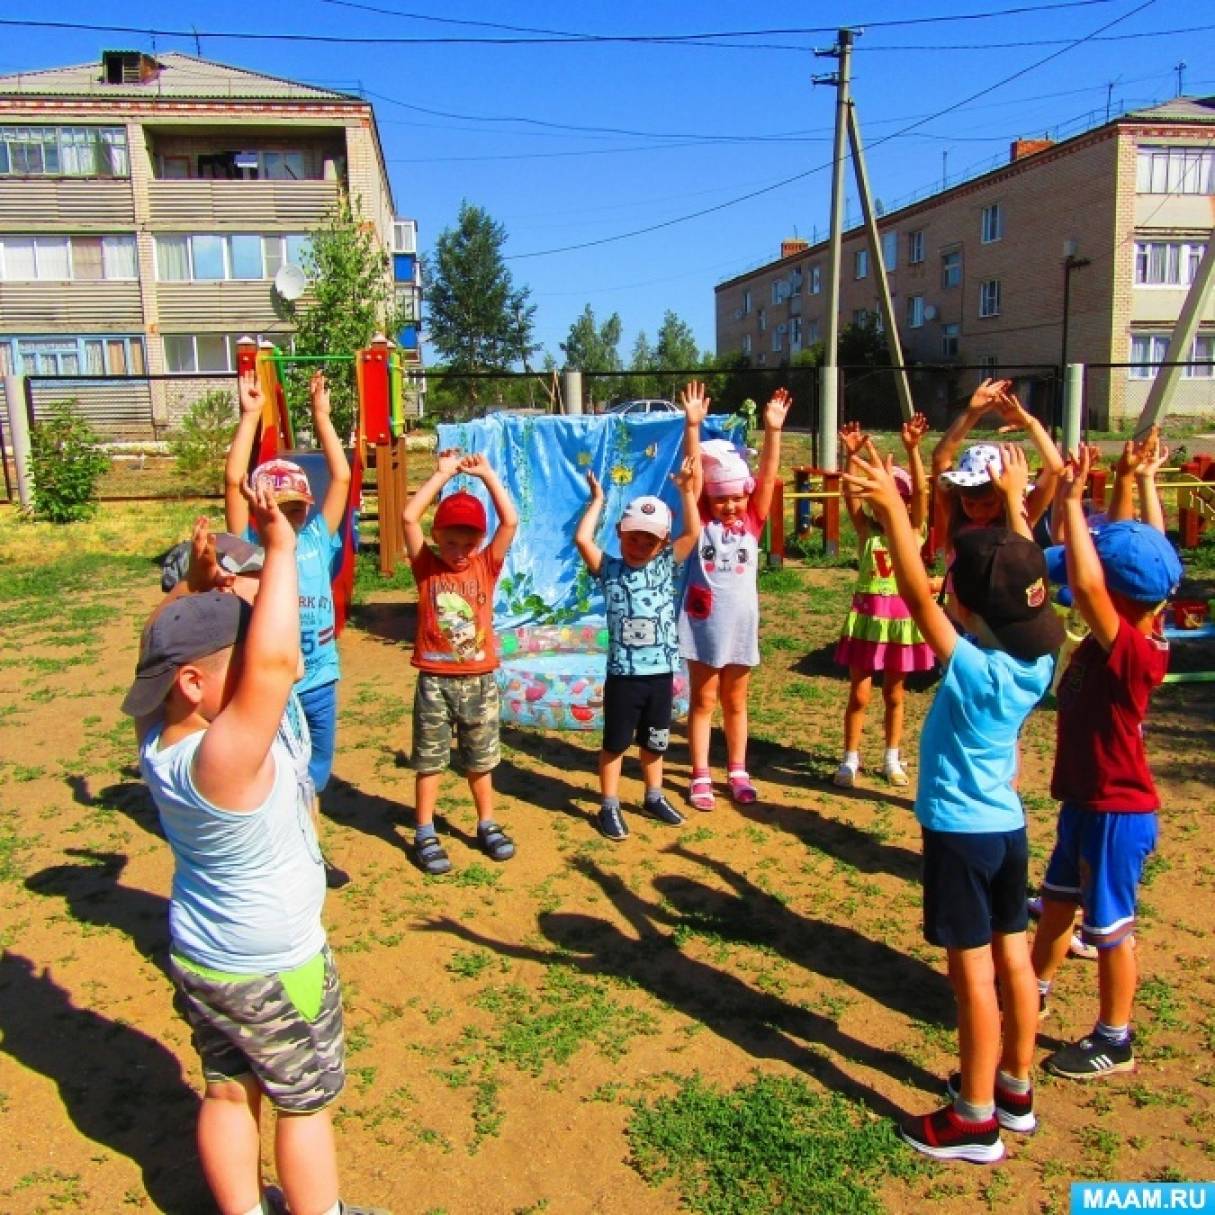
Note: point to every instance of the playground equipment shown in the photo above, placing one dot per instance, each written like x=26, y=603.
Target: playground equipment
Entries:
x=548, y=610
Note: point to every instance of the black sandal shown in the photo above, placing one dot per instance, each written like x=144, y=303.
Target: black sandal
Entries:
x=496, y=844
x=429, y=854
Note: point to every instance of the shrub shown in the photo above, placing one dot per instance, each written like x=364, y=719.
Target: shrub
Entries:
x=200, y=447
x=66, y=461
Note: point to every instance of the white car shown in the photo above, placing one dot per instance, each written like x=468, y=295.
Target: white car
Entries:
x=644, y=405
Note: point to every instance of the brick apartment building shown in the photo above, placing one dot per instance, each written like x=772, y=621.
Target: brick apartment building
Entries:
x=977, y=271
x=146, y=206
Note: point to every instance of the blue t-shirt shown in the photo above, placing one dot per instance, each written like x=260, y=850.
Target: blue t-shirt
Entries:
x=247, y=887
x=968, y=746
x=316, y=553
x=640, y=604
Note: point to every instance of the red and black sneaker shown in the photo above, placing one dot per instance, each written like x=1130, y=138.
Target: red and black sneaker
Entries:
x=945, y=1136
x=1014, y=1111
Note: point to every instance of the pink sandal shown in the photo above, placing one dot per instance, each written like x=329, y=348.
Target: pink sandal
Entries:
x=700, y=793
x=741, y=789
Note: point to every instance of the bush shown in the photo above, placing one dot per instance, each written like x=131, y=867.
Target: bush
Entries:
x=66, y=461
x=200, y=447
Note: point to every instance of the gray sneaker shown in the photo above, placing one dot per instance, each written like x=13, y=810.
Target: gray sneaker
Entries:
x=659, y=808
x=610, y=821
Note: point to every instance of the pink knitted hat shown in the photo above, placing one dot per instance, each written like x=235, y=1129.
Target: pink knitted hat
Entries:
x=726, y=472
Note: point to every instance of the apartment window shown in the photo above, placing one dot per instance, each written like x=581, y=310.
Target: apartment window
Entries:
x=951, y=268
x=779, y=288
x=890, y=250
x=1167, y=263
x=186, y=352
x=811, y=332
x=1148, y=351
x=64, y=152
x=61, y=354
x=949, y=340
x=795, y=333
x=816, y=280
x=915, y=246
x=992, y=226
x=915, y=311
x=989, y=297
x=746, y=307
x=778, y=340
x=860, y=317
x=1175, y=170
x=795, y=282
x=746, y=343
x=67, y=258
x=860, y=263
x=988, y=366
x=762, y=318
x=209, y=258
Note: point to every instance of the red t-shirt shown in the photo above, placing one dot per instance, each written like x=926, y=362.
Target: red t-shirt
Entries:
x=1100, y=762
x=455, y=614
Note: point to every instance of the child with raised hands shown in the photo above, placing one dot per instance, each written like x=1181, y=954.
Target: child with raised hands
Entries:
x=456, y=649
x=719, y=618
x=639, y=590
x=879, y=634
x=976, y=853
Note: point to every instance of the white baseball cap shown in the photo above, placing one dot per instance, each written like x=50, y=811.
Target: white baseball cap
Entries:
x=647, y=514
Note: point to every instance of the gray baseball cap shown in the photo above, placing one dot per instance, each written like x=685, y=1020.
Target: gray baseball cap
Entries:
x=184, y=630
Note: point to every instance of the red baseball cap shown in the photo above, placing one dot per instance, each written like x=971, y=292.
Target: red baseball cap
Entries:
x=461, y=509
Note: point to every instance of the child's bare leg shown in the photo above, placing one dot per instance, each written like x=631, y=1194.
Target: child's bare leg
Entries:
x=1117, y=977
x=426, y=796
x=894, y=684
x=307, y=1161
x=609, y=773
x=229, y=1145
x=735, y=681
x=972, y=976
x=705, y=681
x=651, y=768
x=860, y=686
x=481, y=785
x=1019, y=988
x=1052, y=938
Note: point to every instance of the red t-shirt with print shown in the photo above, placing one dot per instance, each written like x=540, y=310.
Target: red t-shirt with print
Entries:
x=1100, y=762
x=455, y=614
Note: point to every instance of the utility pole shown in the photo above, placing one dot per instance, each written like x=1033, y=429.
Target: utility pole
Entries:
x=828, y=414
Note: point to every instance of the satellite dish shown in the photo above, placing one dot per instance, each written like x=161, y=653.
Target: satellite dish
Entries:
x=930, y=312
x=290, y=282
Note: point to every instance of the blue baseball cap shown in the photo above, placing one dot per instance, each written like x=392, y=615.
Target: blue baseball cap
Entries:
x=1138, y=561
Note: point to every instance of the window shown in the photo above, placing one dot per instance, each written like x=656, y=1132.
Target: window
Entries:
x=186, y=352
x=246, y=256
x=890, y=250
x=951, y=268
x=989, y=297
x=949, y=340
x=64, y=152
x=860, y=317
x=812, y=332
x=283, y=166
x=778, y=290
x=1176, y=170
x=1148, y=352
x=1167, y=263
x=860, y=263
x=67, y=258
x=209, y=258
x=915, y=311
x=988, y=366
x=816, y=280
x=795, y=333
x=778, y=340
x=747, y=302
x=746, y=343
x=992, y=224
x=762, y=317
x=61, y=354
x=915, y=246
x=795, y=282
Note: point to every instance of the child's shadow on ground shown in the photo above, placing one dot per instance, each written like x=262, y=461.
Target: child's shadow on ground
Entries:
x=392, y=623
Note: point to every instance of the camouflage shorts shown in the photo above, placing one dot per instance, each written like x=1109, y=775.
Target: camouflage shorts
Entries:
x=465, y=704
x=254, y=1026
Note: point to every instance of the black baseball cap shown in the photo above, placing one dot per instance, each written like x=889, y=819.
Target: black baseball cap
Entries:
x=185, y=629
x=1002, y=577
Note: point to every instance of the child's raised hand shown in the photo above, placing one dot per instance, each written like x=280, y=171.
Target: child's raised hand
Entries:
x=592, y=483
x=777, y=409
x=694, y=403
x=1013, y=414
x=685, y=476
x=250, y=392
x=913, y=431
x=852, y=438
x=1013, y=476
x=987, y=395
x=1153, y=463
x=447, y=462
x=272, y=525
x=204, y=572
x=475, y=465
x=870, y=478
x=318, y=390
x=1075, y=473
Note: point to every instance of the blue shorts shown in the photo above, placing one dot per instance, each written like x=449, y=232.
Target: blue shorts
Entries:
x=1098, y=862
x=320, y=708
x=974, y=886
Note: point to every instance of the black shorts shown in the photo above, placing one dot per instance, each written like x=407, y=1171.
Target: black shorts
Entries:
x=637, y=708
x=974, y=886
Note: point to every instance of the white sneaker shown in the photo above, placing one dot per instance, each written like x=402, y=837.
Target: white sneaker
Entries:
x=1080, y=948
x=845, y=776
x=895, y=775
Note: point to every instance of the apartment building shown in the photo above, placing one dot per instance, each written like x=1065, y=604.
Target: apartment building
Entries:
x=147, y=207
x=1121, y=214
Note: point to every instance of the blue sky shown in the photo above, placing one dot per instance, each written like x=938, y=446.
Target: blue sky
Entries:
x=578, y=142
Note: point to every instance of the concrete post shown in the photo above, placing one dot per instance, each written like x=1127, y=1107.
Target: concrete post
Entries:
x=571, y=390
x=1073, y=406
x=19, y=435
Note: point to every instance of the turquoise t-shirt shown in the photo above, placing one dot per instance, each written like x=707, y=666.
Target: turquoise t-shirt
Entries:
x=640, y=605
x=316, y=553
x=968, y=746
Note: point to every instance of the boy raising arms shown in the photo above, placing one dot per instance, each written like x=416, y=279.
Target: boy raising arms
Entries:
x=249, y=958
x=643, y=647
x=1107, y=822
x=976, y=853
x=455, y=650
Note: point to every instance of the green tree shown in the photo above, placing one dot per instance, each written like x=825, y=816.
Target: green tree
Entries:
x=642, y=365
x=863, y=344
x=676, y=351
x=477, y=319
x=351, y=300
x=66, y=462
x=200, y=446
x=591, y=347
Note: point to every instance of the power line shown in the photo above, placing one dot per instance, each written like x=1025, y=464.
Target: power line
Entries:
x=605, y=240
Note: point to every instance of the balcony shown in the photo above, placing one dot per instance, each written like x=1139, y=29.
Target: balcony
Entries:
x=239, y=206
x=88, y=204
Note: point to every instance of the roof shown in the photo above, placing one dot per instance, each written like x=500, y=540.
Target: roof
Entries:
x=1180, y=109
x=181, y=76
